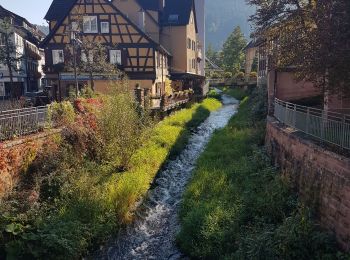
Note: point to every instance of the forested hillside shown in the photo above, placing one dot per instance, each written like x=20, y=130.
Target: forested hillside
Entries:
x=44, y=29
x=222, y=16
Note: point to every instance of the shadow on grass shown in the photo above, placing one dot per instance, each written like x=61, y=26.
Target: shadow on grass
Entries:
x=199, y=116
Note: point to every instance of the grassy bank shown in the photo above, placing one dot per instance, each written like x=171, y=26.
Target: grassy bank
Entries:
x=238, y=207
x=76, y=194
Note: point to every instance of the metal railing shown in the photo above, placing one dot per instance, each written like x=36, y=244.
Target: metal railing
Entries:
x=330, y=127
x=23, y=121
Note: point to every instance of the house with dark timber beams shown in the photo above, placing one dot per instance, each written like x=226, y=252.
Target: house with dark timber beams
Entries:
x=152, y=41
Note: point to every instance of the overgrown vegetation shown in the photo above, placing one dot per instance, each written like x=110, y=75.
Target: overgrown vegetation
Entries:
x=236, y=92
x=84, y=183
x=237, y=206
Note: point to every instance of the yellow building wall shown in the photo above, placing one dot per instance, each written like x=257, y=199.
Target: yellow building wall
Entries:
x=131, y=9
x=191, y=34
x=174, y=40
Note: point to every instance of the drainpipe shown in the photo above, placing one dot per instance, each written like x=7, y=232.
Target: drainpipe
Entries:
x=163, y=73
x=274, y=91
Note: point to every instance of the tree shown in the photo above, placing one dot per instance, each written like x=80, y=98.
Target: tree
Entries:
x=94, y=59
x=91, y=55
x=214, y=55
x=232, y=52
x=9, y=56
x=310, y=36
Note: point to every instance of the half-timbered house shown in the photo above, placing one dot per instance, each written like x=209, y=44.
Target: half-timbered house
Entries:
x=150, y=40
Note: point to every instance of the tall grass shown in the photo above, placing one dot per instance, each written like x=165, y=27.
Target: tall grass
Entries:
x=238, y=207
x=82, y=200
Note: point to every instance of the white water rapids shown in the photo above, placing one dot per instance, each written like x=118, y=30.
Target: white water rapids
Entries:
x=152, y=235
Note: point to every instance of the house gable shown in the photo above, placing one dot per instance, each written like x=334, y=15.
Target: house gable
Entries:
x=137, y=47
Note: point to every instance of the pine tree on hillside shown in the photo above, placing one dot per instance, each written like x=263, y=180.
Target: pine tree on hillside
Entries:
x=232, y=52
x=214, y=55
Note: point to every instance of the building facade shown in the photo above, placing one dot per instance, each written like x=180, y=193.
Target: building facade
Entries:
x=27, y=73
x=152, y=41
x=281, y=83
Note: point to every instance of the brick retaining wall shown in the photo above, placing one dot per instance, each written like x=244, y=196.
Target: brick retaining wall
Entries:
x=321, y=177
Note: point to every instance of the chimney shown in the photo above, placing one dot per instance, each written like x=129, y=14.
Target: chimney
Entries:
x=161, y=5
x=142, y=19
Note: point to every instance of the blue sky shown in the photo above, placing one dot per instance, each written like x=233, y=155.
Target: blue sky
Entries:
x=33, y=10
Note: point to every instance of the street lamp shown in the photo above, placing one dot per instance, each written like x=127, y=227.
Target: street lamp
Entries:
x=76, y=42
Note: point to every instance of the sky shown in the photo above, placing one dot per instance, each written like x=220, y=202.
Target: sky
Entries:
x=33, y=10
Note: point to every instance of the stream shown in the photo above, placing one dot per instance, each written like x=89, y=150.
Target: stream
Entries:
x=153, y=233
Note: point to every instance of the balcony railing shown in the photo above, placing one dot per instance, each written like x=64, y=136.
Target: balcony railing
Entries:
x=327, y=126
x=23, y=121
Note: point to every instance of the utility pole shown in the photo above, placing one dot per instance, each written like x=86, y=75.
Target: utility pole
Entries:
x=75, y=41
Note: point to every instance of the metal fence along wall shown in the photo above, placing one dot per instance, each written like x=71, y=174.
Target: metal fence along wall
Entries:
x=22, y=121
x=327, y=126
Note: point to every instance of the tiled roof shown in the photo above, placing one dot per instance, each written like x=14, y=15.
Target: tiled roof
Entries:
x=149, y=4
x=59, y=9
x=177, y=12
x=30, y=33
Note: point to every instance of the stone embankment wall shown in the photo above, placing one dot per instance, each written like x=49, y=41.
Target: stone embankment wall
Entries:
x=16, y=156
x=321, y=177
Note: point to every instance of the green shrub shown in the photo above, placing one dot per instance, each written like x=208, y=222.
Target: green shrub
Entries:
x=61, y=113
x=253, y=74
x=215, y=75
x=240, y=75
x=214, y=94
x=123, y=128
x=227, y=75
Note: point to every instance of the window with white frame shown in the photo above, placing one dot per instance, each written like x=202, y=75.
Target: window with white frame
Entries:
x=104, y=27
x=115, y=57
x=90, y=24
x=57, y=56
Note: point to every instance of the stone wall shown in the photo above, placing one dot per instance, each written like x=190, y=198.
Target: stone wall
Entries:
x=321, y=177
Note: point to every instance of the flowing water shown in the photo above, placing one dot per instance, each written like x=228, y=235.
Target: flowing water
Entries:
x=152, y=236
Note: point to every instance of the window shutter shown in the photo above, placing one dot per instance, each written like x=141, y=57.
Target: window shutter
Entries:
x=86, y=24
x=124, y=57
x=119, y=57
x=94, y=24
x=54, y=58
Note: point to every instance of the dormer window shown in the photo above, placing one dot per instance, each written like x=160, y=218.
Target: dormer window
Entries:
x=90, y=24
x=173, y=18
